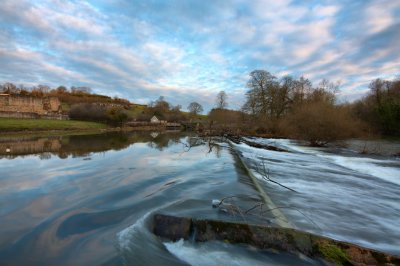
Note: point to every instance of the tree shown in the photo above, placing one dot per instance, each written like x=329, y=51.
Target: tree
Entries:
x=221, y=100
x=263, y=87
x=195, y=108
x=116, y=116
x=250, y=106
x=280, y=96
x=383, y=104
x=162, y=105
x=325, y=92
x=224, y=116
x=302, y=88
x=40, y=90
x=9, y=88
x=61, y=90
x=98, y=112
x=176, y=108
x=175, y=114
x=81, y=90
x=23, y=91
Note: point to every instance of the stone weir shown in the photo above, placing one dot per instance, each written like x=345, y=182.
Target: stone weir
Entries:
x=331, y=251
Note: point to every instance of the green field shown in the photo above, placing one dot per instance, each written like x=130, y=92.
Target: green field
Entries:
x=13, y=124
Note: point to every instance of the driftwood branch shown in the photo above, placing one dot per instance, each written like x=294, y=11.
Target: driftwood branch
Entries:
x=265, y=173
x=258, y=206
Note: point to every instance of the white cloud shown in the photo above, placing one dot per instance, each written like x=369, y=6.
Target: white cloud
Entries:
x=326, y=11
x=379, y=15
x=168, y=50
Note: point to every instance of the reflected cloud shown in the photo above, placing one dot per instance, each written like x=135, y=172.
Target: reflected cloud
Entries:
x=82, y=145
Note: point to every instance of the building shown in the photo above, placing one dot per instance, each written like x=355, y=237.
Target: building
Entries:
x=28, y=106
x=154, y=119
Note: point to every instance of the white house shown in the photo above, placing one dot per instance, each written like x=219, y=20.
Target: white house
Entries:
x=154, y=119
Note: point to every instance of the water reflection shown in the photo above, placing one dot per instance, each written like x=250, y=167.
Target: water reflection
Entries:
x=69, y=211
x=83, y=145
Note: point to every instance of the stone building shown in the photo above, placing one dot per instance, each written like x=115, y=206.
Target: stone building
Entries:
x=24, y=105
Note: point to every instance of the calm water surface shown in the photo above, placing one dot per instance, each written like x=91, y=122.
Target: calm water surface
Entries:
x=78, y=200
x=88, y=200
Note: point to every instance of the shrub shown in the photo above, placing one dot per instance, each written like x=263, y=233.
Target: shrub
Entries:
x=321, y=123
x=98, y=112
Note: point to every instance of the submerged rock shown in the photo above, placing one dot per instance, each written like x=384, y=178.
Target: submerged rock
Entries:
x=271, y=238
x=171, y=227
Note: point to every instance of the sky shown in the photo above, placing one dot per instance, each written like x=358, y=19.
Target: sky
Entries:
x=189, y=50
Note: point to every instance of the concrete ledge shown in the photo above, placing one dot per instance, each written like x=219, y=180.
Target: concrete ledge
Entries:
x=263, y=237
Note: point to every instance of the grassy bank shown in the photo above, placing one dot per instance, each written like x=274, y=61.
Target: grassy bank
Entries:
x=16, y=125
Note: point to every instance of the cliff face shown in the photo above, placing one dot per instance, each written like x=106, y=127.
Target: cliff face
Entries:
x=24, y=104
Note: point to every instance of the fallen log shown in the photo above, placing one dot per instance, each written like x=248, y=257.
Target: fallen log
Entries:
x=270, y=238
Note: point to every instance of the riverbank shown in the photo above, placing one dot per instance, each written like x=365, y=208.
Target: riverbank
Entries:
x=44, y=127
x=17, y=125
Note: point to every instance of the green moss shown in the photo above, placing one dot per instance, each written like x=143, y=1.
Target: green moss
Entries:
x=333, y=253
x=299, y=239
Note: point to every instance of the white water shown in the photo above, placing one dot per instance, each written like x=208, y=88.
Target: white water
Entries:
x=205, y=255
x=382, y=169
x=218, y=253
x=126, y=236
x=348, y=196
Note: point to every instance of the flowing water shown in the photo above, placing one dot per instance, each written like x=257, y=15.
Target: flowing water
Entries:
x=339, y=192
x=89, y=200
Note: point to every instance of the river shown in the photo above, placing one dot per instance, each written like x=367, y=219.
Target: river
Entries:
x=89, y=199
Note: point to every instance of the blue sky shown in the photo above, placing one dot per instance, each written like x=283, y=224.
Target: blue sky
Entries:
x=189, y=50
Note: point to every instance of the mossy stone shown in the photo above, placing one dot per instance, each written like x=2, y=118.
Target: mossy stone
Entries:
x=333, y=253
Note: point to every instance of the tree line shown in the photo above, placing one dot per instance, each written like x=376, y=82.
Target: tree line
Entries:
x=72, y=95
x=380, y=109
x=296, y=108
x=287, y=107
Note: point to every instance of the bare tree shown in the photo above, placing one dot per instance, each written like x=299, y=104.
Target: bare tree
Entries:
x=195, y=108
x=9, y=88
x=81, y=90
x=162, y=105
x=61, y=90
x=40, y=90
x=302, y=87
x=221, y=100
x=262, y=89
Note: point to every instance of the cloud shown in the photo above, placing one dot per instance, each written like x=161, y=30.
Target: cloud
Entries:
x=190, y=50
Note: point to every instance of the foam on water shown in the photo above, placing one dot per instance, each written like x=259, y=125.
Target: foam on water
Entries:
x=385, y=169
x=199, y=256
x=137, y=245
x=349, y=198
x=126, y=236
x=285, y=144
x=219, y=253
x=378, y=168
